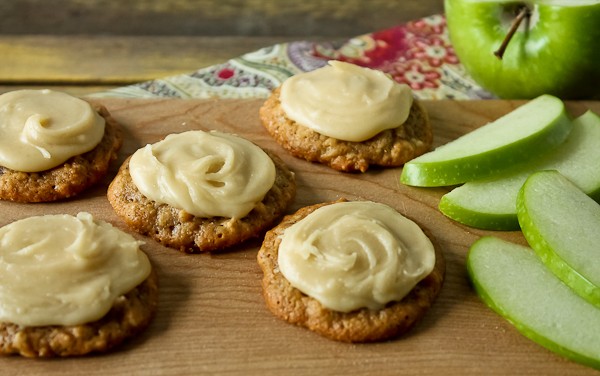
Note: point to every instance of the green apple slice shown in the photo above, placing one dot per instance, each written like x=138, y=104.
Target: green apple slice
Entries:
x=492, y=203
x=517, y=137
x=512, y=281
x=561, y=223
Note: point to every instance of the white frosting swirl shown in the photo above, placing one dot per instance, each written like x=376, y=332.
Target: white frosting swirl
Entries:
x=65, y=270
x=352, y=255
x=41, y=129
x=345, y=101
x=207, y=174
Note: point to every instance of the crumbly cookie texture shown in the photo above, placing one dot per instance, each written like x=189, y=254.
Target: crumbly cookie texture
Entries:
x=390, y=148
x=363, y=325
x=178, y=229
x=130, y=314
x=71, y=178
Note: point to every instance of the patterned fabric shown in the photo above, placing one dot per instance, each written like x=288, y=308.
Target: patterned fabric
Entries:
x=418, y=54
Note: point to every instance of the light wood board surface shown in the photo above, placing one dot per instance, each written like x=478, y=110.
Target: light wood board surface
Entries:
x=212, y=318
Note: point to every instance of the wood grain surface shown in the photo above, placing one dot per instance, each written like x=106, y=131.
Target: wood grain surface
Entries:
x=85, y=61
x=88, y=46
x=212, y=318
x=210, y=17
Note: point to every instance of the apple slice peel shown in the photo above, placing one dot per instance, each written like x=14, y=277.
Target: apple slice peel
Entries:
x=561, y=223
x=513, y=282
x=519, y=136
x=491, y=203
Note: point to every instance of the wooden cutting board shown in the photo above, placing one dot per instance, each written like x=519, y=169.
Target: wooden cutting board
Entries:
x=212, y=318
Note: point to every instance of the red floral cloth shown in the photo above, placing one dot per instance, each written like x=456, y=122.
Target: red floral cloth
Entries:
x=418, y=54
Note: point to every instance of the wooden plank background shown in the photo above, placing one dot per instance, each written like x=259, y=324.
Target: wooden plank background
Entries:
x=85, y=46
x=331, y=18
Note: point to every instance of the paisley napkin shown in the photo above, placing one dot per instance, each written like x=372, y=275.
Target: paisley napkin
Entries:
x=418, y=53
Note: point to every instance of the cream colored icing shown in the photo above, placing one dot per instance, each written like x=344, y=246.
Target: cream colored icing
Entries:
x=207, y=174
x=355, y=255
x=65, y=270
x=345, y=101
x=41, y=129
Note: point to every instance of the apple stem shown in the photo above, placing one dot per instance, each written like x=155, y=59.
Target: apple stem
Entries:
x=524, y=12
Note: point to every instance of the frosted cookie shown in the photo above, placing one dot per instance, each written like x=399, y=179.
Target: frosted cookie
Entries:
x=52, y=145
x=71, y=286
x=202, y=191
x=347, y=117
x=350, y=271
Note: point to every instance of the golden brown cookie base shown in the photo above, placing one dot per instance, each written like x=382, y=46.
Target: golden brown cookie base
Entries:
x=364, y=325
x=70, y=178
x=178, y=229
x=130, y=314
x=390, y=148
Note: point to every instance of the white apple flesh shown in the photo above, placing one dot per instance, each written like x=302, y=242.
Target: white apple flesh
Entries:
x=492, y=203
x=515, y=138
x=512, y=281
x=555, y=50
x=561, y=223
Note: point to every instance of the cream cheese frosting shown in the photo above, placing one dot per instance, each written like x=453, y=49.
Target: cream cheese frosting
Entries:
x=345, y=101
x=207, y=174
x=65, y=270
x=41, y=129
x=353, y=255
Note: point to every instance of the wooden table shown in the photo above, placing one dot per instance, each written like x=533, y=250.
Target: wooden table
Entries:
x=85, y=47
x=212, y=318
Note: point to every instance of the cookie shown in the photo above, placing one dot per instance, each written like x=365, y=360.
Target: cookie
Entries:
x=181, y=230
x=389, y=148
x=360, y=325
x=69, y=179
x=130, y=314
x=71, y=285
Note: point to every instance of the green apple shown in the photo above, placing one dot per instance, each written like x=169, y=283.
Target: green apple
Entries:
x=492, y=203
x=561, y=223
x=517, y=137
x=555, y=50
x=513, y=281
